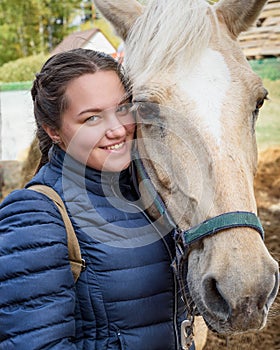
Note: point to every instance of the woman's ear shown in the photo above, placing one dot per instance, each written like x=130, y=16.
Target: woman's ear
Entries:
x=53, y=134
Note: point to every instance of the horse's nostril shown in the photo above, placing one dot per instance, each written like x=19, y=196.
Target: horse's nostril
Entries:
x=274, y=292
x=215, y=300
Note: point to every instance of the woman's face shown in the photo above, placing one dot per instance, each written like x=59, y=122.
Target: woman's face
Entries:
x=98, y=128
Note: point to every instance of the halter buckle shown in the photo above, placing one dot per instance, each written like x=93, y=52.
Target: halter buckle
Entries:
x=187, y=334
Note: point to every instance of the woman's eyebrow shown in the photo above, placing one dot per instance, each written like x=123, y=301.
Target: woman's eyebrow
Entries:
x=90, y=110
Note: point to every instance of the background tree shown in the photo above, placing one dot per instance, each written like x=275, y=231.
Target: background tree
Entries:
x=32, y=26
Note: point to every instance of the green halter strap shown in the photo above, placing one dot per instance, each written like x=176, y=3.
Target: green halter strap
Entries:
x=209, y=227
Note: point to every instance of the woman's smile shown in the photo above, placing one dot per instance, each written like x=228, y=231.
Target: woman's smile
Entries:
x=115, y=147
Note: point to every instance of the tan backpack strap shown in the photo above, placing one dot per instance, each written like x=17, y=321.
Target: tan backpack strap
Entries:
x=75, y=258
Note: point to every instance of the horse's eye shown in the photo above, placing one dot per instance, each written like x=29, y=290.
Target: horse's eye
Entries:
x=260, y=103
x=261, y=100
x=148, y=110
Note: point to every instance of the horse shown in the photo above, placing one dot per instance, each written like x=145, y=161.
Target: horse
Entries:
x=196, y=101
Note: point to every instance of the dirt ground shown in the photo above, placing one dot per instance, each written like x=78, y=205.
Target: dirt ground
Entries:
x=267, y=190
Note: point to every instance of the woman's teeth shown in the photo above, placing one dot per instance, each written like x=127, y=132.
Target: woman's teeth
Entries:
x=114, y=147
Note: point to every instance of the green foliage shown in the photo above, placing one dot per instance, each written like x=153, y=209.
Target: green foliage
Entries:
x=8, y=51
x=268, y=68
x=268, y=125
x=32, y=26
x=14, y=86
x=23, y=69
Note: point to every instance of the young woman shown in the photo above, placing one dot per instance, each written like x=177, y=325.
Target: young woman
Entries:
x=127, y=297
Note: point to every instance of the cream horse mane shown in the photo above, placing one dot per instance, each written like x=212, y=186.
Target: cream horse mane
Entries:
x=155, y=41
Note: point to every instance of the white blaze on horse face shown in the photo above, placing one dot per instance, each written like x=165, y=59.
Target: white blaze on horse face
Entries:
x=207, y=84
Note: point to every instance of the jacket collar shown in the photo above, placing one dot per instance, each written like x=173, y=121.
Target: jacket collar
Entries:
x=99, y=182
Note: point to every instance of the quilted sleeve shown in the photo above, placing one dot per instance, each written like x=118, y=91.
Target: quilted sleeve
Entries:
x=37, y=297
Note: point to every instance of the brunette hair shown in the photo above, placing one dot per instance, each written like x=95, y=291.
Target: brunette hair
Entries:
x=48, y=90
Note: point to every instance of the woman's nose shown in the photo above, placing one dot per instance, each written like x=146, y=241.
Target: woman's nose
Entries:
x=115, y=128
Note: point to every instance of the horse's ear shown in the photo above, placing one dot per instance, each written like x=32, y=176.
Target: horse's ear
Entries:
x=239, y=15
x=121, y=13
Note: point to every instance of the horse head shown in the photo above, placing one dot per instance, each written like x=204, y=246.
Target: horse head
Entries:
x=197, y=102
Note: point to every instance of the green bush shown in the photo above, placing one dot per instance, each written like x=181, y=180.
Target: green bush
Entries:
x=23, y=69
x=19, y=85
x=268, y=68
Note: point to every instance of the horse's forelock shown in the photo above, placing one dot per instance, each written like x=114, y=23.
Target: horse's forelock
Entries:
x=168, y=30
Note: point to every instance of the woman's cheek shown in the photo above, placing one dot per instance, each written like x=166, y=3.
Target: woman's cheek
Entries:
x=90, y=136
x=130, y=128
x=83, y=142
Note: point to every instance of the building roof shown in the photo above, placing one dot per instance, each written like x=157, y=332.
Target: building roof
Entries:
x=91, y=38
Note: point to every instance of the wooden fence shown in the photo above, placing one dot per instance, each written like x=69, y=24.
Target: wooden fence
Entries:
x=263, y=39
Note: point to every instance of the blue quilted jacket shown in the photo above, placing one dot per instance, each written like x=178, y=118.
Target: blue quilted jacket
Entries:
x=126, y=298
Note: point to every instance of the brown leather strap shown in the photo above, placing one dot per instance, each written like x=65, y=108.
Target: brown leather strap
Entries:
x=75, y=258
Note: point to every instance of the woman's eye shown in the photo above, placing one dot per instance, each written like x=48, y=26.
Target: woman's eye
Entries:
x=93, y=118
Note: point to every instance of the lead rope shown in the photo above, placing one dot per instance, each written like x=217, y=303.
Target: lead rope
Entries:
x=179, y=267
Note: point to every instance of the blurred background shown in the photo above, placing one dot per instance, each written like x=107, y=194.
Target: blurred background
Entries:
x=33, y=30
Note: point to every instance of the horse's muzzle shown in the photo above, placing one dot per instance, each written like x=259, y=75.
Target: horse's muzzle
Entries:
x=228, y=314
